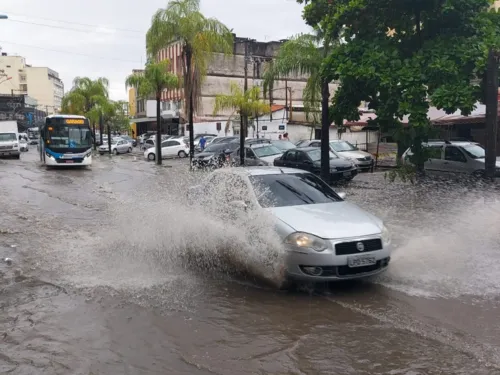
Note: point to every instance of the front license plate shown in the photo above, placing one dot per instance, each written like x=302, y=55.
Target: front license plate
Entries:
x=347, y=174
x=361, y=261
x=69, y=161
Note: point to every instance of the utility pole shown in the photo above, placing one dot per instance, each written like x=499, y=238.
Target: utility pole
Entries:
x=491, y=113
x=243, y=120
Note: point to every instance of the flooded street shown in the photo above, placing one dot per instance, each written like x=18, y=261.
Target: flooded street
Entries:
x=98, y=284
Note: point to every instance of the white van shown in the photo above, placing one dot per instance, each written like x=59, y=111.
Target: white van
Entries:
x=454, y=157
x=9, y=139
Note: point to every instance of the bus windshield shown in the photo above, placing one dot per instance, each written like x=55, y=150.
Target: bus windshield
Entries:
x=63, y=136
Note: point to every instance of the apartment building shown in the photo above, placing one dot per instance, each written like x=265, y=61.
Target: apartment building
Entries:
x=226, y=69
x=41, y=83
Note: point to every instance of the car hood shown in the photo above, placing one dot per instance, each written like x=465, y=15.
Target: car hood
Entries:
x=483, y=160
x=204, y=155
x=329, y=220
x=353, y=154
x=270, y=159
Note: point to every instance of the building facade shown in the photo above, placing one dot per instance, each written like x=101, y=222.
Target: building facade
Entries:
x=41, y=83
x=224, y=70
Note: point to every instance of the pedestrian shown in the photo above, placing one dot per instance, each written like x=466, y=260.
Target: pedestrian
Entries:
x=285, y=137
x=279, y=137
x=203, y=141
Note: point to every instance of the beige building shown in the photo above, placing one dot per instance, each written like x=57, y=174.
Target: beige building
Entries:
x=226, y=69
x=41, y=83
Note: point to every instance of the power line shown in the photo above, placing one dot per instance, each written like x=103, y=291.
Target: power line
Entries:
x=71, y=22
x=69, y=52
x=65, y=28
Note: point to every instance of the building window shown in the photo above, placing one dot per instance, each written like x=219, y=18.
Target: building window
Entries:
x=23, y=87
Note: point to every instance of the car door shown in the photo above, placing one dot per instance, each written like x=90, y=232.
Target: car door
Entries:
x=167, y=148
x=454, y=160
x=123, y=146
x=304, y=162
x=290, y=159
x=435, y=163
x=250, y=157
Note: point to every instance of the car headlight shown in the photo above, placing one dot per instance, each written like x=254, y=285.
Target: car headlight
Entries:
x=306, y=241
x=386, y=236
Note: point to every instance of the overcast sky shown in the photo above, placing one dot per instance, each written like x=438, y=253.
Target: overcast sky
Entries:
x=106, y=38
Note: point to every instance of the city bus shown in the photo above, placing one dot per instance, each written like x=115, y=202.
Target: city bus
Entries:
x=66, y=140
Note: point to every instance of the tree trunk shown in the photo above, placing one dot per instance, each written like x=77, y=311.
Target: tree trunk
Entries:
x=189, y=86
x=95, y=140
x=158, y=158
x=491, y=114
x=242, y=140
x=109, y=139
x=325, y=132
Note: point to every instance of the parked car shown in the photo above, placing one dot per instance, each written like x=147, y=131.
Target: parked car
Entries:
x=454, y=158
x=283, y=145
x=254, y=141
x=118, y=146
x=169, y=148
x=130, y=140
x=257, y=154
x=23, y=144
x=215, y=155
x=344, y=150
x=309, y=159
x=325, y=237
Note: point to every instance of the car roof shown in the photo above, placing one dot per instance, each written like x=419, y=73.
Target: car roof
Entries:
x=305, y=149
x=259, y=171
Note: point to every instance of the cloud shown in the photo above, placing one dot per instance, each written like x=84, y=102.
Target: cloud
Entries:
x=99, y=38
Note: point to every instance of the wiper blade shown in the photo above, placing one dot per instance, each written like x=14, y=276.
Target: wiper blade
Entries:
x=296, y=192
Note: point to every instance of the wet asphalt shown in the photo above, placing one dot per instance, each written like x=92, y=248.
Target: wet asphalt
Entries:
x=93, y=288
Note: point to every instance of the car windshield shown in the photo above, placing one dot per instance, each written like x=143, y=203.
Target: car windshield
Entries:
x=284, y=145
x=217, y=147
x=315, y=155
x=70, y=136
x=343, y=146
x=264, y=151
x=474, y=151
x=7, y=137
x=282, y=190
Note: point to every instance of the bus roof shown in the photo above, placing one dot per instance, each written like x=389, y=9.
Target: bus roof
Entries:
x=66, y=116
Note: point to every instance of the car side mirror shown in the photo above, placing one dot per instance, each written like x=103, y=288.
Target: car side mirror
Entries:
x=342, y=195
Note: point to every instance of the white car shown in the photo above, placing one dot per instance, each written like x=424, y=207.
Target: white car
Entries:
x=454, y=158
x=346, y=150
x=23, y=145
x=118, y=146
x=324, y=237
x=169, y=148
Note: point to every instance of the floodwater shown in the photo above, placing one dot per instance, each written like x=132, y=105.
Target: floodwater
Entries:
x=100, y=285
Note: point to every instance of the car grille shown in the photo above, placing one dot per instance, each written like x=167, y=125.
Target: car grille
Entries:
x=346, y=271
x=346, y=248
x=367, y=158
x=75, y=161
x=5, y=147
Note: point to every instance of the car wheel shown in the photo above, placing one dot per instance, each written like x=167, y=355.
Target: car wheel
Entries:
x=479, y=174
x=182, y=154
x=115, y=151
x=151, y=157
x=129, y=150
x=101, y=153
x=17, y=156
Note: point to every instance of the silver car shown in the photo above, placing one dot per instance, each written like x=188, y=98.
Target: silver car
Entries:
x=325, y=238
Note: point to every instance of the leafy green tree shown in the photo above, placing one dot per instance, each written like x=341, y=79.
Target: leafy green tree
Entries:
x=84, y=96
x=401, y=56
x=200, y=37
x=304, y=55
x=246, y=103
x=155, y=79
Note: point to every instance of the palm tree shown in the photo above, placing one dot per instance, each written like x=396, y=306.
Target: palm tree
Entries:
x=155, y=79
x=84, y=96
x=200, y=37
x=304, y=55
x=246, y=103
